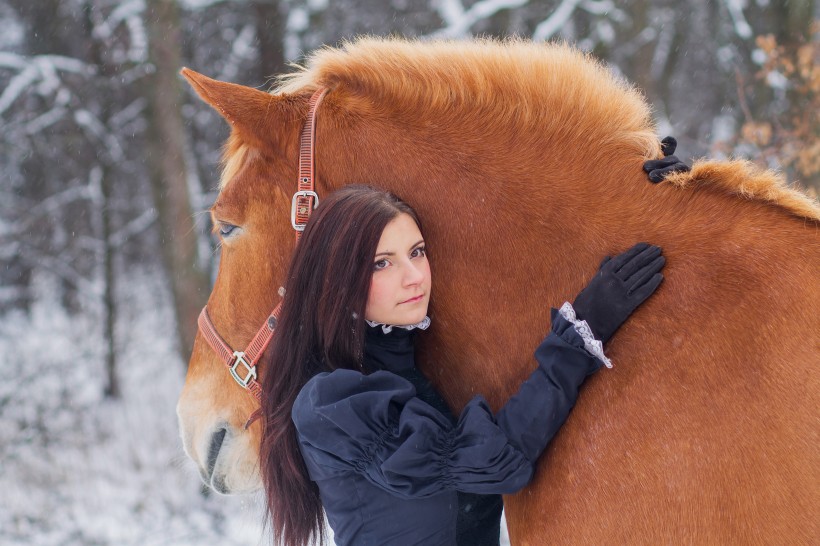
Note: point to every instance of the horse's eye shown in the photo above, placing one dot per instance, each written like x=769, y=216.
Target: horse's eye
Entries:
x=225, y=230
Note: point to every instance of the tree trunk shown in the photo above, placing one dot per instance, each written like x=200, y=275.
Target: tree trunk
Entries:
x=102, y=223
x=166, y=163
x=269, y=32
x=112, y=384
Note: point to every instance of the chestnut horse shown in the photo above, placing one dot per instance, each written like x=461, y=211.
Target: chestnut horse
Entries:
x=524, y=162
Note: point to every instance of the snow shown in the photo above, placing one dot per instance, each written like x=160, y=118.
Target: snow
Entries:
x=78, y=469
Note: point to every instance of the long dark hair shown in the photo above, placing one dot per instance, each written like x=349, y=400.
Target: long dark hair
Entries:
x=321, y=328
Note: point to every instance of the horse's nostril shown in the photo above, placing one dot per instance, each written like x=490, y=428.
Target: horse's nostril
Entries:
x=213, y=451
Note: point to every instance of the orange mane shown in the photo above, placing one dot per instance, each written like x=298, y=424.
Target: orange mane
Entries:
x=546, y=89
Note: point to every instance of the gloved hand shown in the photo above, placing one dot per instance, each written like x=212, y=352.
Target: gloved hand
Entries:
x=621, y=284
x=659, y=168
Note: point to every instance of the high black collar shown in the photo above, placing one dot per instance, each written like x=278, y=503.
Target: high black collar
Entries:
x=393, y=351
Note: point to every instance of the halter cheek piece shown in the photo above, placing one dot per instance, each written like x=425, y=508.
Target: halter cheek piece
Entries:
x=242, y=364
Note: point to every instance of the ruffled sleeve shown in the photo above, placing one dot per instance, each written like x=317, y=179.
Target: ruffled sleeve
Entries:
x=374, y=425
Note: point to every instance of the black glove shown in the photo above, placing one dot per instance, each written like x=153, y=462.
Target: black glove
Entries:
x=620, y=286
x=659, y=168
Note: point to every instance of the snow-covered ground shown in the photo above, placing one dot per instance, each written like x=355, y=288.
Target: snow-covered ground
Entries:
x=77, y=469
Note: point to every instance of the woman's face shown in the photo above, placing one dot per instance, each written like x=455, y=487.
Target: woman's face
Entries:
x=400, y=289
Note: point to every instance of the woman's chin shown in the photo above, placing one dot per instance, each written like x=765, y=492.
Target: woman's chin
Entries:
x=414, y=319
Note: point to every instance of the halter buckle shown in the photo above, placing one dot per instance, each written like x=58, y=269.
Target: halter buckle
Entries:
x=293, y=205
x=239, y=358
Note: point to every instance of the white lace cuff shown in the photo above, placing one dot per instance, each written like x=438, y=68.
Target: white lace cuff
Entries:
x=592, y=345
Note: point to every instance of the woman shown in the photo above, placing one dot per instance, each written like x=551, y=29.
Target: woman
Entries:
x=352, y=425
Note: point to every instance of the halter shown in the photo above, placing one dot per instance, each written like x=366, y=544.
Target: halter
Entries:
x=242, y=364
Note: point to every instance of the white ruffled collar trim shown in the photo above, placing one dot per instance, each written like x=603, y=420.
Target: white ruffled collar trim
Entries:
x=387, y=328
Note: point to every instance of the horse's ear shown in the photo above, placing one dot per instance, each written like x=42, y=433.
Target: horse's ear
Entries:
x=248, y=110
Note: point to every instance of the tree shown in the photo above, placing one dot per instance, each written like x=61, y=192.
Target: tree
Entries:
x=165, y=154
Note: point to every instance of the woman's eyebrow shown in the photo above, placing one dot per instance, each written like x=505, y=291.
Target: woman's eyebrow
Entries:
x=391, y=253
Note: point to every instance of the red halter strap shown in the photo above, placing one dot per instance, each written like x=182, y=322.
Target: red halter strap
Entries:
x=305, y=197
x=242, y=364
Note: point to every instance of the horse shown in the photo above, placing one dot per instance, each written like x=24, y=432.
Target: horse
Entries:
x=523, y=161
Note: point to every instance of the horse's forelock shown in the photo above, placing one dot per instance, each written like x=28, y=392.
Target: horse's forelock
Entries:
x=233, y=158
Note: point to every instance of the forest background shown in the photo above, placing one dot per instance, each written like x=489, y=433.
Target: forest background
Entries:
x=108, y=164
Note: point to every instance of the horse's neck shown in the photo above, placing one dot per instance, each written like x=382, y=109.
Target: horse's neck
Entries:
x=502, y=276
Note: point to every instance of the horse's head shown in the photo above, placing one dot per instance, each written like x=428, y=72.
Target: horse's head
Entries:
x=251, y=218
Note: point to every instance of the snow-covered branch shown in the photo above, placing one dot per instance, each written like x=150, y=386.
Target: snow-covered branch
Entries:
x=39, y=72
x=17, y=85
x=194, y=5
x=459, y=21
x=742, y=27
x=564, y=12
x=128, y=114
x=61, y=268
x=134, y=227
x=242, y=48
x=121, y=14
x=552, y=24
x=95, y=128
x=50, y=204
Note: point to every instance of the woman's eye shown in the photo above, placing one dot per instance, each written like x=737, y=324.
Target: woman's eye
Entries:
x=225, y=230
x=381, y=264
x=418, y=252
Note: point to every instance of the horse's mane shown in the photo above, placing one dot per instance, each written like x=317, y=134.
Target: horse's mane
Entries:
x=549, y=87
x=748, y=181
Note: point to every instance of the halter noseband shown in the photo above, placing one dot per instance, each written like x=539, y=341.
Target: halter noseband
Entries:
x=242, y=364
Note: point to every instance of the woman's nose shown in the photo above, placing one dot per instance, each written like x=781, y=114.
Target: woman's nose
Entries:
x=412, y=275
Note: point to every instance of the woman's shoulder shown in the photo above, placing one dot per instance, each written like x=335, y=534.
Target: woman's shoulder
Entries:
x=346, y=391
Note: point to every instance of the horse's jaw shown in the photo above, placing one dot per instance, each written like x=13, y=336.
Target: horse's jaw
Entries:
x=226, y=456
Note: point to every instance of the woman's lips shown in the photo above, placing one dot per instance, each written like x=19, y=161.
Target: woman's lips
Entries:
x=413, y=300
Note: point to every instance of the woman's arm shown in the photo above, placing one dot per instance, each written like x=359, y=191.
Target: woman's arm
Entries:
x=374, y=425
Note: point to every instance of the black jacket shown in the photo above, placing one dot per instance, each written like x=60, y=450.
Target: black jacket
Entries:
x=389, y=463
x=479, y=516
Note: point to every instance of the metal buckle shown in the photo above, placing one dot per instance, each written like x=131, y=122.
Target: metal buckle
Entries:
x=301, y=193
x=239, y=358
